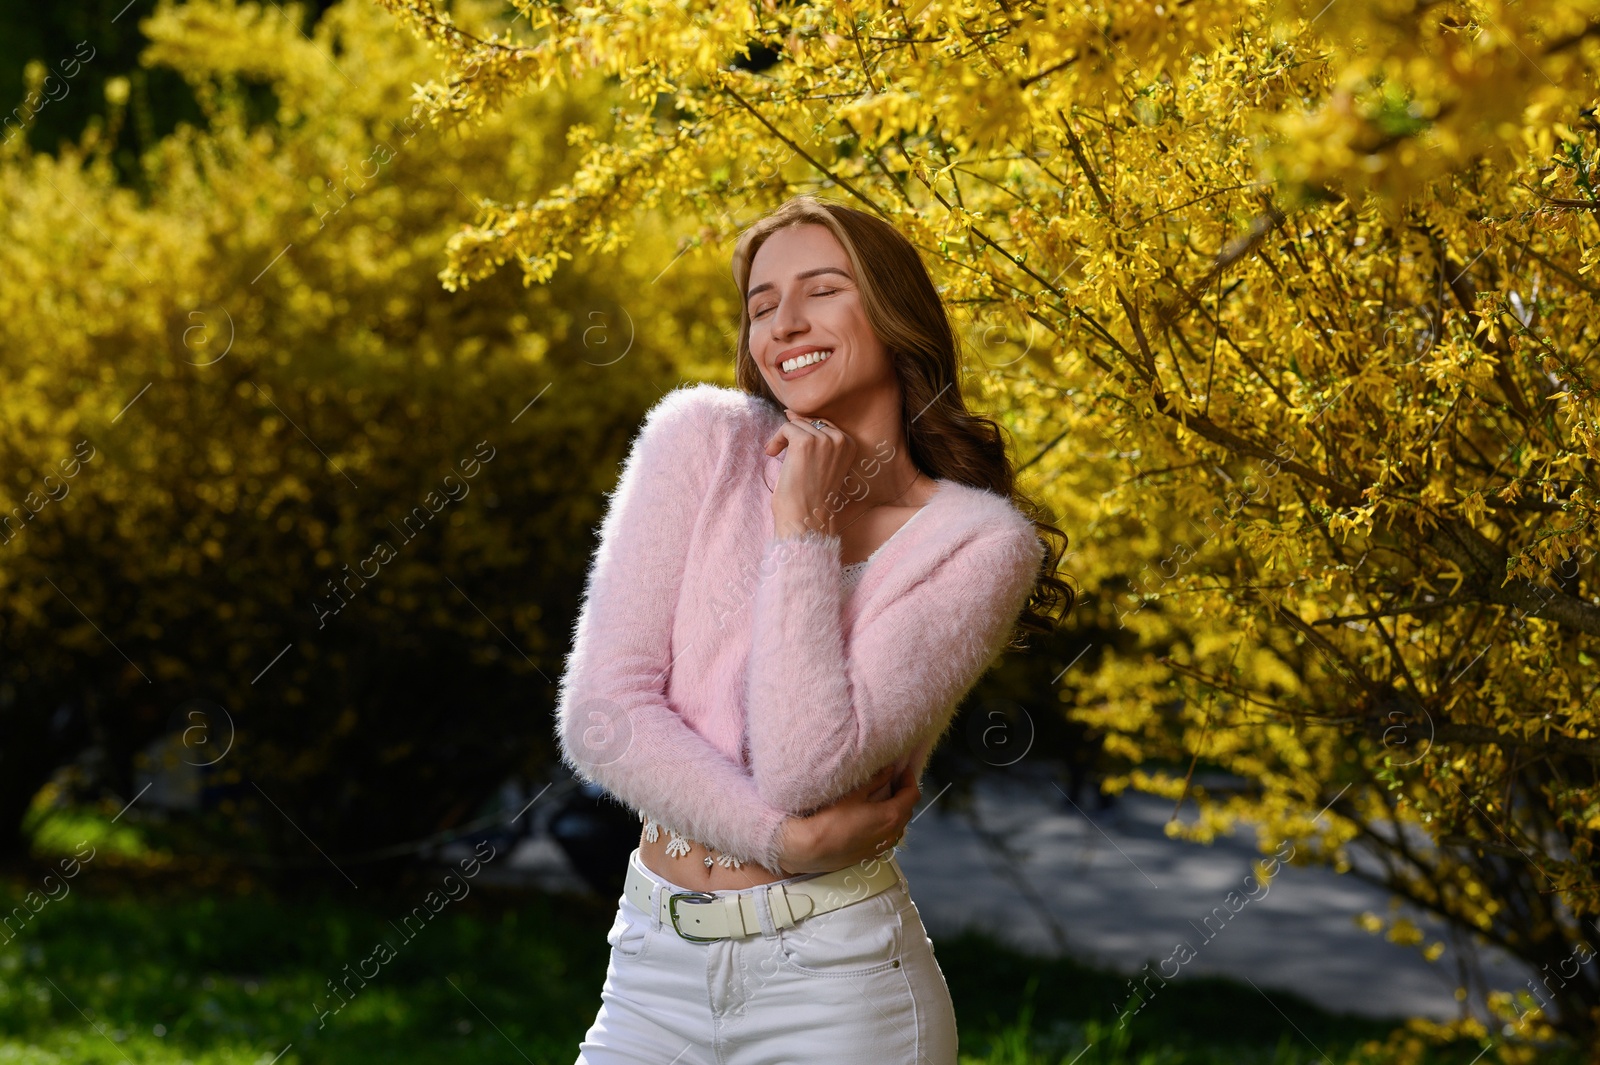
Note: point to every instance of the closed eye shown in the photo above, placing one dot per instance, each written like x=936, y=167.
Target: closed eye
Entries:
x=763, y=311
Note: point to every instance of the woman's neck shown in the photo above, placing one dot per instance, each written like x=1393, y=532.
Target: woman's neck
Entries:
x=883, y=473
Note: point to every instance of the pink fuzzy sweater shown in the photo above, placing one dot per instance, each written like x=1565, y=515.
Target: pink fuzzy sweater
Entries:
x=723, y=678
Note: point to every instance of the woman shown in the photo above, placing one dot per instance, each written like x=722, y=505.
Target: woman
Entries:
x=796, y=582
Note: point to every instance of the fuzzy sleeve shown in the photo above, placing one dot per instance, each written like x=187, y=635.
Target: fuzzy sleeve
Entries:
x=826, y=712
x=614, y=723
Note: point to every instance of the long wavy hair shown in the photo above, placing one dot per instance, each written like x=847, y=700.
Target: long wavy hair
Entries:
x=904, y=309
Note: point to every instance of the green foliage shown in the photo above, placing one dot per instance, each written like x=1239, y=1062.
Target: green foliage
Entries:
x=255, y=457
x=1292, y=313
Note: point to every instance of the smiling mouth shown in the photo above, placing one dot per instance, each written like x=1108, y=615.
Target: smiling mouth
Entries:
x=800, y=362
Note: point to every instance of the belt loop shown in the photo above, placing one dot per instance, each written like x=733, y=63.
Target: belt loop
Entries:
x=763, y=895
x=784, y=915
x=734, y=909
x=655, y=904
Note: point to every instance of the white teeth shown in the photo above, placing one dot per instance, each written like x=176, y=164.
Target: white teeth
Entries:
x=791, y=365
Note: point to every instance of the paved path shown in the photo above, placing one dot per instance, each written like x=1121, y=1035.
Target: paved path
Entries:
x=1116, y=891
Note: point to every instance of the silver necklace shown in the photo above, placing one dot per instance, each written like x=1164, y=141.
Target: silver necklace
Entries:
x=891, y=502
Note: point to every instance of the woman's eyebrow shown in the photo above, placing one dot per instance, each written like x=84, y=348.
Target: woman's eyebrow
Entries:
x=800, y=276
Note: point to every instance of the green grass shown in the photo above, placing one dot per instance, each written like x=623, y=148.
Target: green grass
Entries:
x=235, y=980
x=152, y=963
x=62, y=831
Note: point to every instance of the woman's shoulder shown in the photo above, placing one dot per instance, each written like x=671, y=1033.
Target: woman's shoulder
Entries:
x=1001, y=537
x=1009, y=550
x=703, y=401
x=713, y=411
x=986, y=511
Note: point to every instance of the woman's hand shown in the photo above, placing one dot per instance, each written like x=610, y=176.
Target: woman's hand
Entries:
x=808, y=492
x=853, y=829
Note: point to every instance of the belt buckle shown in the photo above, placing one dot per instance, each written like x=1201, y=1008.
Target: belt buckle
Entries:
x=693, y=896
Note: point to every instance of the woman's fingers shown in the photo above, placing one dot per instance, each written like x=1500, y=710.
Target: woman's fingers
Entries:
x=780, y=439
x=804, y=422
x=795, y=424
x=907, y=797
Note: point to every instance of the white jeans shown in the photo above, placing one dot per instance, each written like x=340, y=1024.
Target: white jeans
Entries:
x=854, y=985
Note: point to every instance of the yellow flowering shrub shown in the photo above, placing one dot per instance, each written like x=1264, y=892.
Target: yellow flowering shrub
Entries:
x=1292, y=314
x=268, y=489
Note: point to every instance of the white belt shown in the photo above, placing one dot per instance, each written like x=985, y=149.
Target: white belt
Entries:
x=703, y=916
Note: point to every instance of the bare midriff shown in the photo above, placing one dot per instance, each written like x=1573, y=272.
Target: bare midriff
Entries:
x=690, y=870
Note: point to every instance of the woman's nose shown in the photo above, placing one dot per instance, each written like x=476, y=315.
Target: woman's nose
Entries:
x=787, y=320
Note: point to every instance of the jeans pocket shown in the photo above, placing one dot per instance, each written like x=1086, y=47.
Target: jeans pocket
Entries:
x=630, y=932
x=856, y=940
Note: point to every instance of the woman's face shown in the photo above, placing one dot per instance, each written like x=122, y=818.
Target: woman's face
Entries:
x=803, y=300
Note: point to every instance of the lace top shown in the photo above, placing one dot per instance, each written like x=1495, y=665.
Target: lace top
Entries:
x=679, y=846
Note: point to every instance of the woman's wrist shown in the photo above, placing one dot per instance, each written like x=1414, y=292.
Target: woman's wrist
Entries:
x=792, y=524
x=794, y=846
